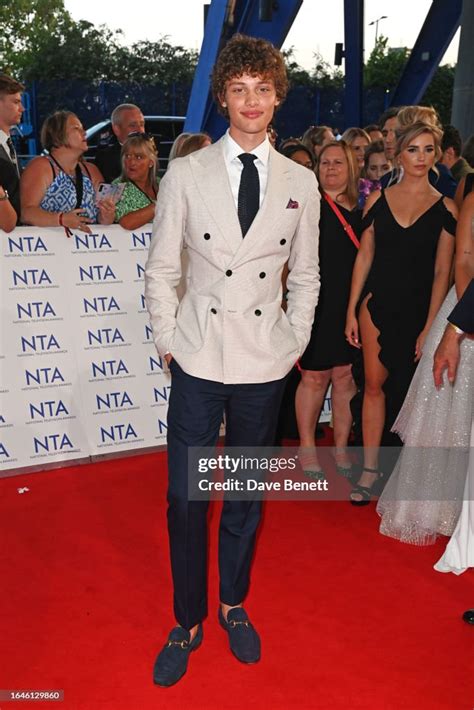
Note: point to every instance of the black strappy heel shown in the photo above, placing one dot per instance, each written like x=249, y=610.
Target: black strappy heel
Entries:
x=364, y=491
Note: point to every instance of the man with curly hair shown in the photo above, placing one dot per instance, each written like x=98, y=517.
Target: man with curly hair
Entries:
x=242, y=211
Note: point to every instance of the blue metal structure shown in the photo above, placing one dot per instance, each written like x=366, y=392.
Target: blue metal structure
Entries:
x=436, y=34
x=354, y=61
x=199, y=101
x=224, y=19
x=25, y=129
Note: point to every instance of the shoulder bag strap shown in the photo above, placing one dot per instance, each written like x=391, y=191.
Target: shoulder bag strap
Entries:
x=78, y=183
x=347, y=227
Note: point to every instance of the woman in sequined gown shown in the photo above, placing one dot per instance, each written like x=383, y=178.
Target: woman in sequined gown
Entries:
x=424, y=495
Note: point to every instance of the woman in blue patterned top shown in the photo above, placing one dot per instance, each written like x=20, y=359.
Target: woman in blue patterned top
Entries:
x=60, y=189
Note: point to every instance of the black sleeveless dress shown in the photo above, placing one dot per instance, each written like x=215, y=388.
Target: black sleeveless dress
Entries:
x=400, y=283
x=328, y=346
x=468, y=185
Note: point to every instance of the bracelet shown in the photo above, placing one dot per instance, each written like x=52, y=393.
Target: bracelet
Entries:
x=457, y=330
x=61, y=215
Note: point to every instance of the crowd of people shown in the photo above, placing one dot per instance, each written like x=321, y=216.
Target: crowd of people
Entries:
x=391, y=193
x=61, y=188
x=396, y=212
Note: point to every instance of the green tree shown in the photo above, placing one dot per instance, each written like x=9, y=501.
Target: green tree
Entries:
x=322, y=74
x=297, y=76
x=440, y=92
x=24, y=23
x=385, y=65
x=384, y=69
x=40, y=40
x=76, y=50
x=155, y=63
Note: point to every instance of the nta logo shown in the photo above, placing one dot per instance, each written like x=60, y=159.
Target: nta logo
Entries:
x=35, y=309
x=113, y=400
x=100, y=304
x=42, y=343
x=92, y=241
x=48, y=409
x=44, y=376
x=52, y=442
x=105, y=336
x=31, y=277
x=141, y=240
x=109, y=368
x=117, y=432
x=30, y=245
x=97, y=272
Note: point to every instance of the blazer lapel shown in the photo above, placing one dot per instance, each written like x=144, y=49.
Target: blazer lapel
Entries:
x=212, y=181
x=3, y=154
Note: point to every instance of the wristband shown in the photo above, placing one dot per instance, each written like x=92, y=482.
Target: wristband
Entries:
x=61, y=215
x=456, y=329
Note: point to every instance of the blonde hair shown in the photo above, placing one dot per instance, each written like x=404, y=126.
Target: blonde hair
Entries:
x=178, y=141
x=147, y=144
x=350, y=134
x=418, y=114
x=352, y=188
x=193, y=142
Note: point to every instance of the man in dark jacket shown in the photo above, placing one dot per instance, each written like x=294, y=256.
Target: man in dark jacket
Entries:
x=11, y=110
x=126, y=119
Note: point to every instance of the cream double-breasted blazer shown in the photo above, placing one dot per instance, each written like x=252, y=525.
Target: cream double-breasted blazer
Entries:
x=229, y=325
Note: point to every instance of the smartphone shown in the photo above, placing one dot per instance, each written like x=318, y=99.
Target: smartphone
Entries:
x=114, y=191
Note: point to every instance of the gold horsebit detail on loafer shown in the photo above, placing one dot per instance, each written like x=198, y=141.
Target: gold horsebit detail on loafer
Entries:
x=183, y=644
x=233, y=624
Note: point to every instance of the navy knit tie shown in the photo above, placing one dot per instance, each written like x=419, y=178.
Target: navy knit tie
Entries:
x=249, y=192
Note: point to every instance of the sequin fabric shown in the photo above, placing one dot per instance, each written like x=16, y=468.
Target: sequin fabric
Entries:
x=424, y=494
x=459, y=553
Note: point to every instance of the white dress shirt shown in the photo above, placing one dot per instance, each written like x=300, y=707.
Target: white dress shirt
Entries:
x=235, y=166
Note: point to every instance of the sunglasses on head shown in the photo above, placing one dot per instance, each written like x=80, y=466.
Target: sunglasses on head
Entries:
x=141, y=134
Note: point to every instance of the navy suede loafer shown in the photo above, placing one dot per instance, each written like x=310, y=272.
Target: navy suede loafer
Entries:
x=468, y=616
x=172, y=661
x=244, y=640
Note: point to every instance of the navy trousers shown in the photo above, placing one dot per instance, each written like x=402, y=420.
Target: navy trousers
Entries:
x=194, y=417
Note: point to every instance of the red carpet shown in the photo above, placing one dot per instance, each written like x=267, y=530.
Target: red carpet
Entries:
x=349, y=619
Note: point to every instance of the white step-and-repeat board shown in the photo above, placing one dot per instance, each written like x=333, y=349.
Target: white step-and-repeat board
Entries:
x=79, y=372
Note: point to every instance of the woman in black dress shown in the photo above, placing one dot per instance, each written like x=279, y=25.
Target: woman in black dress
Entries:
x=400, y=279
x=328, y=357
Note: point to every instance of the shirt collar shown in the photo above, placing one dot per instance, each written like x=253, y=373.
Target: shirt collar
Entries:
x=232, y=149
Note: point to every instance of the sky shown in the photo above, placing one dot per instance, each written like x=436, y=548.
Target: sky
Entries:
x=318, y=26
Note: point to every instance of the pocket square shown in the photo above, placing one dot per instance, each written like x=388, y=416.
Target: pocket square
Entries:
x=292, y=205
